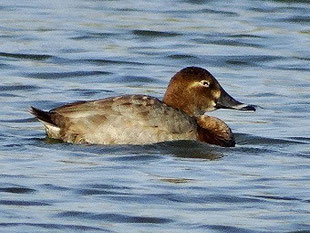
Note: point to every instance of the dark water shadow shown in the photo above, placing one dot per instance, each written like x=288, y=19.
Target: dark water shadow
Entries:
x=152, y=34
x=225, y=228
x=259, y=146
x=190, y=149
x=16, y=190
x=38, y=57
x=245, y=143
x=181, y=149
x=23, y=203
x=112, y=217
x=289, y=1
x=60, y=75
x=50, y=226
x=23, y=88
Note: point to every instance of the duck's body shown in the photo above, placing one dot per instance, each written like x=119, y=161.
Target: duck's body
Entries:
x=141, y=119
x=130, y=119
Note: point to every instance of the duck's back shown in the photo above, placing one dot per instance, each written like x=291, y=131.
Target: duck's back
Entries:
x=130, y=119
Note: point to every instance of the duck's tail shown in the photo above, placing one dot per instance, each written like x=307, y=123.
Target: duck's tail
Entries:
x=44, y=117
x=51, y=129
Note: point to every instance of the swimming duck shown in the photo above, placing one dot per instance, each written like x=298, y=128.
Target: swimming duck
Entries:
x=142, y=119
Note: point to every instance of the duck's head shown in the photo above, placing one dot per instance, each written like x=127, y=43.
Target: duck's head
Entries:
x=195, y=91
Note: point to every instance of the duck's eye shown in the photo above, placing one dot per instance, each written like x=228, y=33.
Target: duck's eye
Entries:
x=205, y=83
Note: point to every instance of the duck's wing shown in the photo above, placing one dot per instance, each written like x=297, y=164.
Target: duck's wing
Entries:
x=130, y=119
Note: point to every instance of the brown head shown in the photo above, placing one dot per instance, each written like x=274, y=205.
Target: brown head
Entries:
x=195, y=91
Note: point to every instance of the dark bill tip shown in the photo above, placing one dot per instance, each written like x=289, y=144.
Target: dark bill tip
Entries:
x=240, y=107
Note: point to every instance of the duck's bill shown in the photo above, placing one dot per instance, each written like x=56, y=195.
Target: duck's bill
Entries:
x=228, y=102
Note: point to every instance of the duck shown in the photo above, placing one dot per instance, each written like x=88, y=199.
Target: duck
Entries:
x=142, y=119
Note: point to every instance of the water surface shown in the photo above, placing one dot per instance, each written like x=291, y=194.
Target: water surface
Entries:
x=56, y=52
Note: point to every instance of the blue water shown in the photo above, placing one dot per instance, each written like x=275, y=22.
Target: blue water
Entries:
x=54, y=52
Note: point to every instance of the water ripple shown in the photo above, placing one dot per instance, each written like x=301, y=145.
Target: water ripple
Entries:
x=98, y=192
x=23, y=203
x=17, y=190
x=119, y=218
x=59, y=52
x=18, y=88
x=54, y=226
x=244, y=139
x=92, y=35
x=152, y=34
x=297, y=19
x=26, y=56
x=66, y=74
x=224, y=228
x=109, y=62
x=277, y=198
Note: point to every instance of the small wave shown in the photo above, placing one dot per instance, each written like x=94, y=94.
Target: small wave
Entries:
x=225, y=228
x=132, y=79
x=88, y=36
x=52, y=226
x=52, y=75
x=300, y=139
x=89, y=192
x=24, y=120
x=247, y=139
x=119, y=218
x=18, y=88
x=230, y=42
x=277, y=198
x=17, y=190
x=110, y=61
x=54, y=187
x=247, y=36
x=26, y=56
x=297, y=19
x=23, y=203
x=149, y=33
x=182, y=56
x=221, y=12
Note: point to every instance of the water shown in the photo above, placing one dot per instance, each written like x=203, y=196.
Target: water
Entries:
x=61, y=51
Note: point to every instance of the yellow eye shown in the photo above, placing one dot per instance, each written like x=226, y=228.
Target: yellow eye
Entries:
x=205, y=83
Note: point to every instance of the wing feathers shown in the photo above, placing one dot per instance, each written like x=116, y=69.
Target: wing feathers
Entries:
x=130, y=119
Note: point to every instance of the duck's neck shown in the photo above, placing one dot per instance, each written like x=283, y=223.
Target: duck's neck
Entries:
x=214, y=131
x=179, y=99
